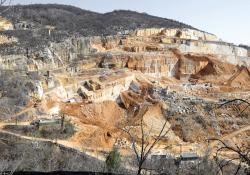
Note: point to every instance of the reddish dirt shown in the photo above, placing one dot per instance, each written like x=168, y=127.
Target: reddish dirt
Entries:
x=98, y=122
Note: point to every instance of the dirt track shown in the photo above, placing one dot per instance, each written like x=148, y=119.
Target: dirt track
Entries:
x=65, y=143
x=231, y=135
x=235, y=133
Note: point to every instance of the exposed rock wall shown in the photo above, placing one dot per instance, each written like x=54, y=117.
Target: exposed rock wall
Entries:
x=232, y=54
x=188, y=34
x=108, y=90
x=213, y=48
x=150, y=51
x=5, y=24
x=190, y=66
x=13, y=62
x=24, y=63
x=5, y=39
x=117, y=51
x=154, y=64
x=53, y=57
x=70, y=49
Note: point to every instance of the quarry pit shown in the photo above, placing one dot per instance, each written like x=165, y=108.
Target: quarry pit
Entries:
x=101, y=84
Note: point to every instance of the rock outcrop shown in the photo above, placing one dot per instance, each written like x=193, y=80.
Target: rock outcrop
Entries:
x=179, y=53
x=5, y=24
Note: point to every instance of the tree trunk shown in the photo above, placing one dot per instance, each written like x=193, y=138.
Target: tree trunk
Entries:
x=62, y=122
x=139, y=171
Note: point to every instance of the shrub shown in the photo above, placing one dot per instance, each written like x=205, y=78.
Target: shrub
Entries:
x=43, y=132
x=113, y=160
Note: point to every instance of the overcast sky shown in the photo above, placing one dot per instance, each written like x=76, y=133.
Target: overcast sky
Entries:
x=228, y=19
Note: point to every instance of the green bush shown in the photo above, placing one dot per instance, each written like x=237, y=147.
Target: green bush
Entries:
x=43, y=132
x=54, y=131
x=113, y=160
x=69, y=128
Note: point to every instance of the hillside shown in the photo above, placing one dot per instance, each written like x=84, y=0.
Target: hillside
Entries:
x=31, y=24
x=87, y=23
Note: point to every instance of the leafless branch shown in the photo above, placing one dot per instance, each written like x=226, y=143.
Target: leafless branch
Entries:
x=146, y=146
x=235, y=100
x=6, y=3
x=241, y=152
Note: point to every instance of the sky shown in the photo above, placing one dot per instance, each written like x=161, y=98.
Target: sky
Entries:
x=228, y=19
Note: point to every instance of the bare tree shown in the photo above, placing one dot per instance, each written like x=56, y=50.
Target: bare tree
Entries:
x=146, y=145
x=242, y=153
x=238, y=102
x=242, y=156
x=6, y=3
x=7, y=165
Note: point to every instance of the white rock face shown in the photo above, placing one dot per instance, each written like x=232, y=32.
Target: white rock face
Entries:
x=198, y=42
x=214, y=48
x=5, y=24
x=189, y=34
x=40, y=91
x=226, y=53
x=109, y=91
x=55, y=110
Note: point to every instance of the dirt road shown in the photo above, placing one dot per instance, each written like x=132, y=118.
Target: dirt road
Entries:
x=231, y=135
